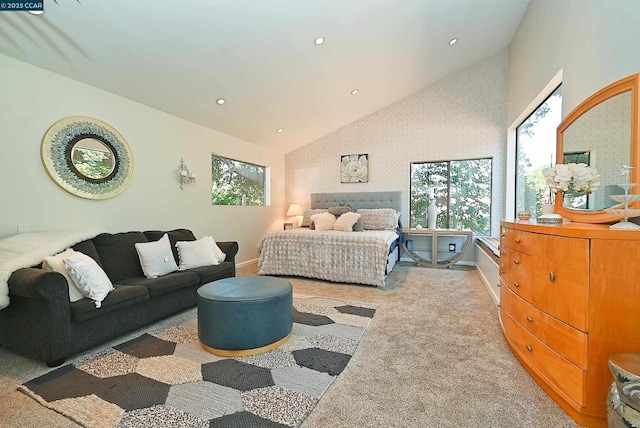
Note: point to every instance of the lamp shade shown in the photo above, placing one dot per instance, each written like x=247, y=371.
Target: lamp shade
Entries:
x=294, y=209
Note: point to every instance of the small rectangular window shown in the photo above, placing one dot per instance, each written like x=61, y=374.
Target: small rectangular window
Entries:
x=234, y=182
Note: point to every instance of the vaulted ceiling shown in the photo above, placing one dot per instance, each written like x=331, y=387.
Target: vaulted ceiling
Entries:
x=260, y=55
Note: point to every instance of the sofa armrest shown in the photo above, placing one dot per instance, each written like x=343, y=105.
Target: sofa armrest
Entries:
x=34, y=283
x=230, y=248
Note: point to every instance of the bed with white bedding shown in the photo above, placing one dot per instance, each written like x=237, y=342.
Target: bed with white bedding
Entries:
x=363, y=257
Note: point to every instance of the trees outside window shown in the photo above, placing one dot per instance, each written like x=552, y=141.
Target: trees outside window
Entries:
x=462, y=190
x=234, y=182
x=536, y=150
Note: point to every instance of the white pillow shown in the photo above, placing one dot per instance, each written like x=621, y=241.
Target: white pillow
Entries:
x=306, y=219
x=220, y=255
x=193, y=254
x=156, y=257
x=345, y=222
x=56, y=264
x=323, y=221
x=89, y=277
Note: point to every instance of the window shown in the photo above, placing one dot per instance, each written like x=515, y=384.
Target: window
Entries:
x=235, y=182
x=462, y=193
x=535, y=150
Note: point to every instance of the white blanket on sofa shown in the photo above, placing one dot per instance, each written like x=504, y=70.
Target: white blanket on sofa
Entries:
x=29, y=249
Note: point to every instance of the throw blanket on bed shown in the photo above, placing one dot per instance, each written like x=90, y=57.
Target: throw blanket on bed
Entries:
x=29, y=249
x=355, y=257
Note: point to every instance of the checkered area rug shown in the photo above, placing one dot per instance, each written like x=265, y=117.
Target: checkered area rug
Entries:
x=166, y=379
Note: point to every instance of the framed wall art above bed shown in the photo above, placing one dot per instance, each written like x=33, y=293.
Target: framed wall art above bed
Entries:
x=354, y=168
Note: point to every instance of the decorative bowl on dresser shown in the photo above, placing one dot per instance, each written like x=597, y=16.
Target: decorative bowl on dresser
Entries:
x=569, y=300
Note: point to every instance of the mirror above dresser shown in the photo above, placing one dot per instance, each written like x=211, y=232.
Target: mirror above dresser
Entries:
x=603, y=133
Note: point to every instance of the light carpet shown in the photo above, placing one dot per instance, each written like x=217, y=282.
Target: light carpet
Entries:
x=167, y=379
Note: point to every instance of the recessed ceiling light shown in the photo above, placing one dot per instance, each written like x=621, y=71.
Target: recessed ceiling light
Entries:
x=36, y=12
x=279, y=130
x=453, y=41
x=220, y=101
x=319, y=40
x=355, y=91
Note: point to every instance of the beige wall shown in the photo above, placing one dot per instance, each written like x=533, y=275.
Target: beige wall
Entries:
x=33, y=99
x=594, y=42
x=460, y=117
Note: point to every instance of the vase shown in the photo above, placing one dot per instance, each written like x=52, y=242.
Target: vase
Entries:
x=623, y=402
x=432, y=214
x=547, y=208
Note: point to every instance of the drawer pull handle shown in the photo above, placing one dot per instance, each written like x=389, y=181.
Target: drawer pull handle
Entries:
x=529, y=319
x=552, y=276
x=517, y=261
x=529, y=348
x=518, y=240
x=515, y=284
x=503, y=236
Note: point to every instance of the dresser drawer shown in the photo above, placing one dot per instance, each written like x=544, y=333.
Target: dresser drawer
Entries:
x=558, y=372
x=525, y=242
x=561, y=279
x=567, y=341
x=516, y=272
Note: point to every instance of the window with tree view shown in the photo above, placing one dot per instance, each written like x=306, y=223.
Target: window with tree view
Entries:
x=535, y=150
x=235, y=182
x=461, y=190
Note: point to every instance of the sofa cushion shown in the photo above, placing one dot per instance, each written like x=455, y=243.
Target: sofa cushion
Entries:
x=87, y=247
x=164, y=284
x=121, y=297
x=213, y=273
x=174, y=236
x=118, y=254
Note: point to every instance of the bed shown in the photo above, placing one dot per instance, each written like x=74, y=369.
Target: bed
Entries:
x=363, y=257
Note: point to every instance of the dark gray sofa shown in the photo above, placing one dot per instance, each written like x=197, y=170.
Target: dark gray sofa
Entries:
x=43, y=323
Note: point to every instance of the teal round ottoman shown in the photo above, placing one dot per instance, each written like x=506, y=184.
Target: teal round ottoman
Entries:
x=244, y=315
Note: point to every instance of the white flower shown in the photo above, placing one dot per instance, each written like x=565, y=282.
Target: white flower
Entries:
x=354, y=169
x=572, y=178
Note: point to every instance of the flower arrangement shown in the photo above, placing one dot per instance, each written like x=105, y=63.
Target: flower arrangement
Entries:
x=572, y=178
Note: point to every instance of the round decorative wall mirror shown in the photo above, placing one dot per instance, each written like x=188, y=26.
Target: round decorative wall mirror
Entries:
x=603, y=133
x=87, y=157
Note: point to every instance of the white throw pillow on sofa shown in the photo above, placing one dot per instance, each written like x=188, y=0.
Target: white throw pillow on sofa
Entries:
x=220, y=255
x=193, y=254
x=89, y=277
x=156, y=257
x=56, y=264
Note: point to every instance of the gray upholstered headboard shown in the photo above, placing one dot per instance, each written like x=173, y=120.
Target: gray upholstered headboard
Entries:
x=358, y=200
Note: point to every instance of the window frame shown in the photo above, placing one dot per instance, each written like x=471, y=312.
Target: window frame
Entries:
x=266, y=180
x=449, y=186
x=515, y=147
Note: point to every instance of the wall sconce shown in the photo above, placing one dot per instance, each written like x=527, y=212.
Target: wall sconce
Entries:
x=295, y=210
x=185, y=176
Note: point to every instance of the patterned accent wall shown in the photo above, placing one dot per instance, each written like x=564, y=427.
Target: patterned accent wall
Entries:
x=462, y=116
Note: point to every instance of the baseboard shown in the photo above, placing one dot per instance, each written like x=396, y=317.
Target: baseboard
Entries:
x=248, y=262
x=489, y=273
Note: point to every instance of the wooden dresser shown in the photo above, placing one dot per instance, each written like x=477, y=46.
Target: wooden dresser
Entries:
x=569, y=298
